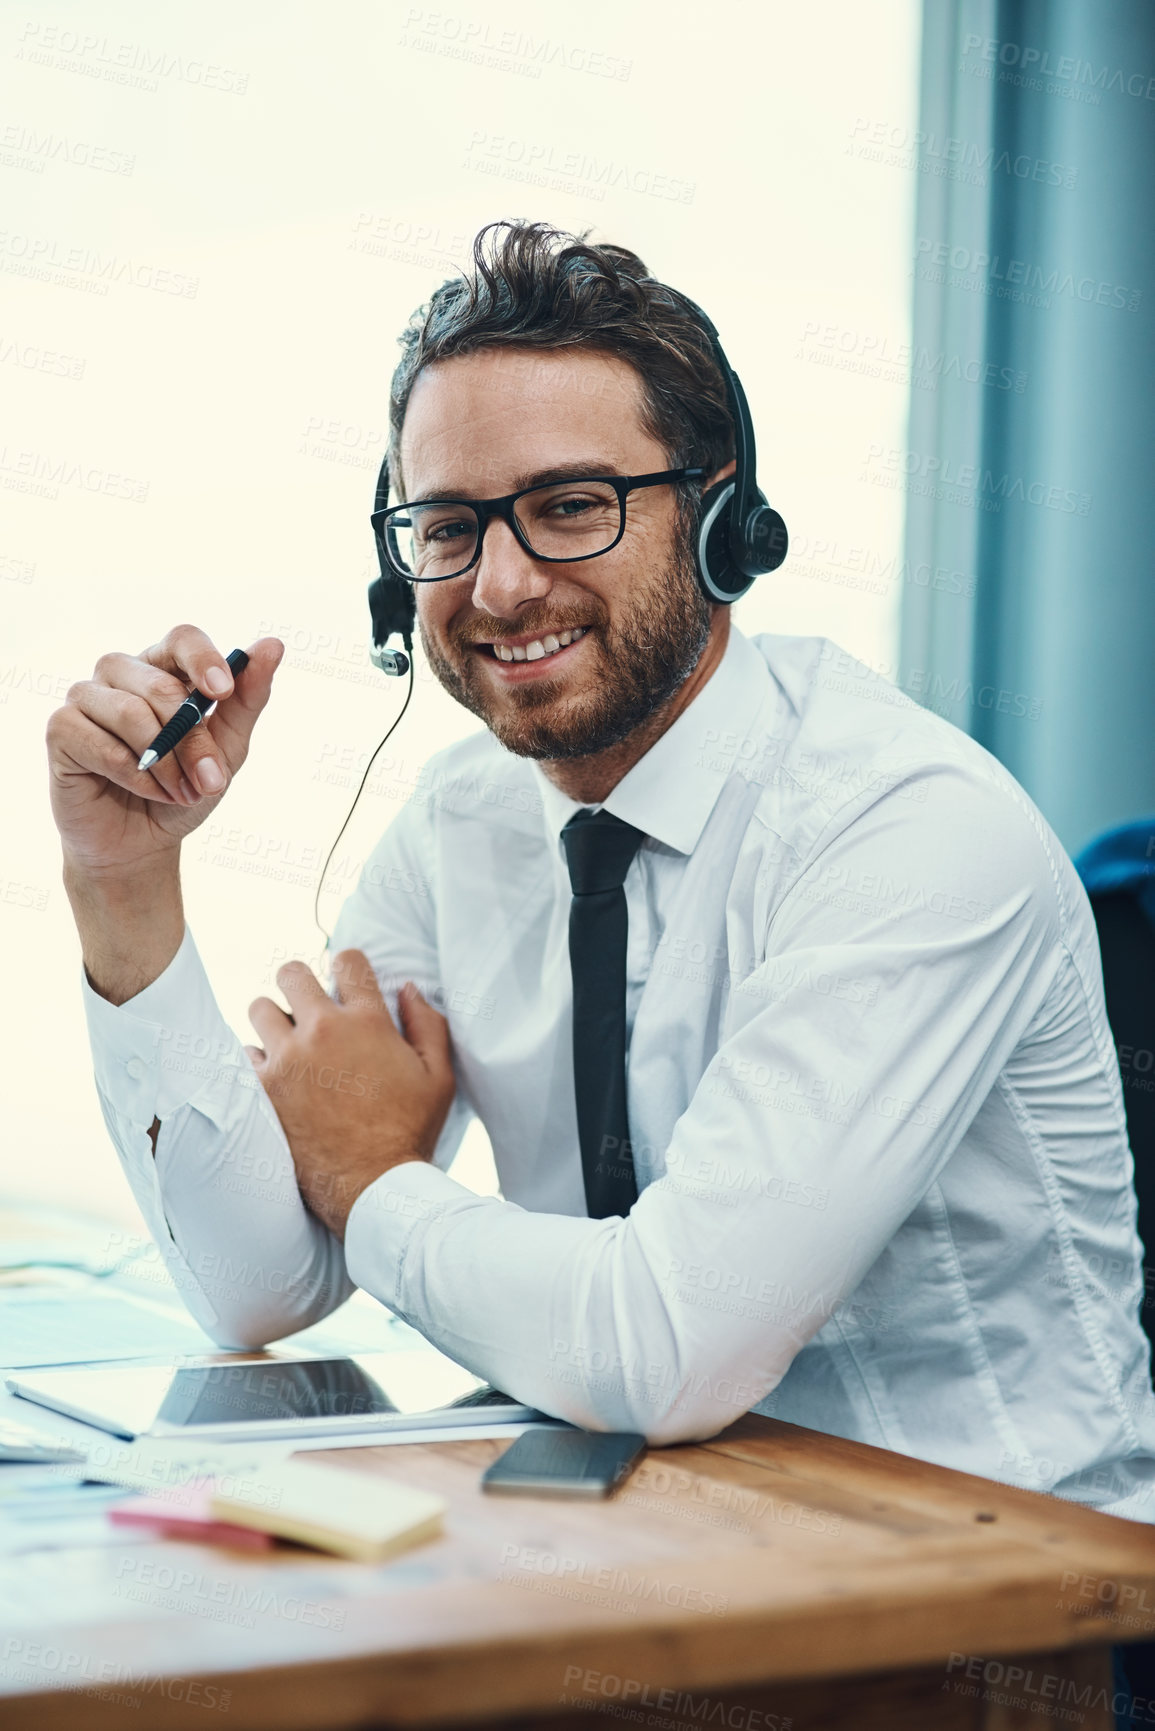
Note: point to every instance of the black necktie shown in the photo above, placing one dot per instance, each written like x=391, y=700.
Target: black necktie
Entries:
x=599, y=848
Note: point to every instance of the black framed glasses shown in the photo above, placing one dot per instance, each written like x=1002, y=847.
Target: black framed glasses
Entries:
x=560, y=522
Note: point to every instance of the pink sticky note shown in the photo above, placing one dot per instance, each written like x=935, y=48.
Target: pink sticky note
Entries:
x=186, y=1515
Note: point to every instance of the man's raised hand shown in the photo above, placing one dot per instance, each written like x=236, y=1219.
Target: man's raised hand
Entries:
x=113, y=817
x=121, y=826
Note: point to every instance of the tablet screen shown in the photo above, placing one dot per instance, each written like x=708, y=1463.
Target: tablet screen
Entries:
x=407, y=1382
x=134, y=1400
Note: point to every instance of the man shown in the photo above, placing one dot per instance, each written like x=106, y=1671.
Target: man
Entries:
x=871, y=1110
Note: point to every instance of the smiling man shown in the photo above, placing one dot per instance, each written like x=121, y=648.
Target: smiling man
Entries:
x=778, y=999
x=580, y=680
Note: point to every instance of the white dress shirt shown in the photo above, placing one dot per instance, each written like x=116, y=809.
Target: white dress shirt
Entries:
x=886, y=1190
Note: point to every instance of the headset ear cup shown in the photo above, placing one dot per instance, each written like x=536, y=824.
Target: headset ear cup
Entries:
x=766, y=536
x=716, y=573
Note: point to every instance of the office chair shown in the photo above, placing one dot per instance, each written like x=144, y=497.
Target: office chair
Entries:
x=1118, y=873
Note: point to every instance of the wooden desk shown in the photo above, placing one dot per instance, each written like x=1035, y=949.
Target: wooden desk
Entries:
x=774, y=1574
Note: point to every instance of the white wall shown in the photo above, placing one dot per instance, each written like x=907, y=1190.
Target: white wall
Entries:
x=215, y=219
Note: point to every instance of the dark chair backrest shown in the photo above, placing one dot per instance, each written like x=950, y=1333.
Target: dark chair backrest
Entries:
x=1127, y=942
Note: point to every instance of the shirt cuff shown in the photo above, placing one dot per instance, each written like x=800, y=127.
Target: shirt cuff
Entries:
x=167, y=1047
x=384, y=1218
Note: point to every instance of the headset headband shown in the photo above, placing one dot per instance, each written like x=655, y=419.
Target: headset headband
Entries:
x=746, y=496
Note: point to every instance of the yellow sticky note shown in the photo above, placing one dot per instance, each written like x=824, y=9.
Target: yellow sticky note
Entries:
x=352, y=1514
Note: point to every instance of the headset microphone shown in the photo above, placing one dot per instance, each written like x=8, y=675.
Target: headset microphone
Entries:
x=391, y=604
x=392, y=611
x=390, y=616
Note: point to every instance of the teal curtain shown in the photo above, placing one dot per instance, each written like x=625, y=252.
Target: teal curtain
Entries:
x=1029, y=467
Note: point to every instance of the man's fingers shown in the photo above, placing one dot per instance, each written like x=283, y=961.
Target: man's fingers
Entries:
x=129, y=719
x=211, y=753
x=193, y=658
x=231, y=725
x=155, y=697
x=356, y=982
x=426, y=1029
x=256, y=1055
x=163, y=691
x=303, y=990
x=184, y=659
x=270, y=1021
x=79, y=745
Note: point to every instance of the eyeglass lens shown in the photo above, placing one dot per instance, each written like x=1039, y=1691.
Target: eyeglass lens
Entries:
x=562, y=520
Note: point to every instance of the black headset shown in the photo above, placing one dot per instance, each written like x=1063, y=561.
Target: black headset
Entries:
x=740, y=535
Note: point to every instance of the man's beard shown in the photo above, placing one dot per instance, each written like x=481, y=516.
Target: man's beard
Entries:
x=641, y=661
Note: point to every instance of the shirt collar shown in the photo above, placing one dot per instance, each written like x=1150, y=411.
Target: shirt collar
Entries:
x=671, y=791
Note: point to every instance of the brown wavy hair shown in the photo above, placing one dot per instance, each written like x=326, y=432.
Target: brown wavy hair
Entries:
x=537, y=287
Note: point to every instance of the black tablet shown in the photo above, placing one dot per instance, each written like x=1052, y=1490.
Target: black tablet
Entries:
x=409, y=1388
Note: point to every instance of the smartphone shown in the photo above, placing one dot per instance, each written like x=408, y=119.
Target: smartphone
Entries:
x=564, y=1463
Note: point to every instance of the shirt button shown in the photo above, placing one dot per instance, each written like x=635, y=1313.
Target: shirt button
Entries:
x=137, y=1069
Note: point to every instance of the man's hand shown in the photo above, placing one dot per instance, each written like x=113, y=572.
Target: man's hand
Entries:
x=114, y=818
x=355, y=1096
x=122, y=827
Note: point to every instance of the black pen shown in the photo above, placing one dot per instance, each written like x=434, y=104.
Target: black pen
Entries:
x=194, y=708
